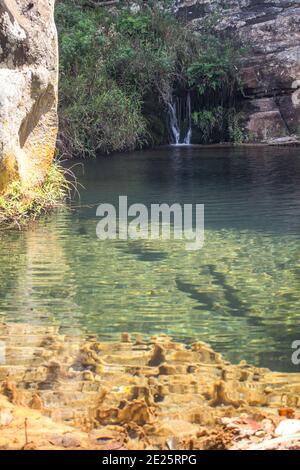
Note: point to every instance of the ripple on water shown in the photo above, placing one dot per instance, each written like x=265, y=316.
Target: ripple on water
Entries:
x=240, y=293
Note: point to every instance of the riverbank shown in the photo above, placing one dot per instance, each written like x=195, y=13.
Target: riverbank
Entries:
x=18, y=206
x=288, y=142
x=62, y=391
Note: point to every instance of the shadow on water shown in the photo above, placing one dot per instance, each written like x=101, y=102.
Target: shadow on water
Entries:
x=141, y=252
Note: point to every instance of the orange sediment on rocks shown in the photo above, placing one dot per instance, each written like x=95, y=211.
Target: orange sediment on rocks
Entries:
x=8, y=172
x=156, y=394
x=34, y=170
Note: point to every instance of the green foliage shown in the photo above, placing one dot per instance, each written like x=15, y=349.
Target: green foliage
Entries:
x=236, y=133
x=120, y=67
x=107, y=120
x=214, y=66
x=110, y=62
x=213, y=75
x=208, y=121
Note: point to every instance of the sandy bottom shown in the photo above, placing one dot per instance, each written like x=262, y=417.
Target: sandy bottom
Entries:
x=66, y=392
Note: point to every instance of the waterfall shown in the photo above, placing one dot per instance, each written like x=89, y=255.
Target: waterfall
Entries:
x=188, y=136
x=180, y=120
x=174, y=126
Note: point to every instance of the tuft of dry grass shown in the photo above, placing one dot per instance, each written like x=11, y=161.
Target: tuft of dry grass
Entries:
x=18, y=207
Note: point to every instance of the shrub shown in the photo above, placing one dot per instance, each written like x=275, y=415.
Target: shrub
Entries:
x=209, y=122
x=120, y=67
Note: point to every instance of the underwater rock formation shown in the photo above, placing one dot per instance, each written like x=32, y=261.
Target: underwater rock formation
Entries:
x=28, y=91
x=137, y=394
x=270, y=32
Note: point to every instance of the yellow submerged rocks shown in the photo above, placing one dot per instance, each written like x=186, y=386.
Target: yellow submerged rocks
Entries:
x=139, y=389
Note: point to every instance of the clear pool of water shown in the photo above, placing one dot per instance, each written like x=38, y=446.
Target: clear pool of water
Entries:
x=240, y=293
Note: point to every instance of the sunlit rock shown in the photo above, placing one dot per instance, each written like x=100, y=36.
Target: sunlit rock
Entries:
x=28, y=91
x=288, y=427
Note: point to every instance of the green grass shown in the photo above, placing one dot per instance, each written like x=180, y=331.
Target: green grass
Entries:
x=18, y=207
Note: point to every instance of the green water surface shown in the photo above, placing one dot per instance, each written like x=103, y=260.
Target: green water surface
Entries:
x=240, y=293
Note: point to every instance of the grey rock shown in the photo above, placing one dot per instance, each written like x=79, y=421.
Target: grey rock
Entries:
x=271, y=69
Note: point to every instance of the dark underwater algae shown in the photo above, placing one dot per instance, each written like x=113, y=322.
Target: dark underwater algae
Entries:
x=134, y=393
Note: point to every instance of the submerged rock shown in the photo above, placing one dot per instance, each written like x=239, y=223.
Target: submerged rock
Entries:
x=28, y=92
x=159, y=394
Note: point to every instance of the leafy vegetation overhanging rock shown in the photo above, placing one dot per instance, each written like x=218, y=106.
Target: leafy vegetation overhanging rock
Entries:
x=121, y=67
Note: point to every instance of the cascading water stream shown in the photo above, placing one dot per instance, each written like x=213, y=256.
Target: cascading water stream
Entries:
x=180, y=121
x=188, y=137
x=174, y=126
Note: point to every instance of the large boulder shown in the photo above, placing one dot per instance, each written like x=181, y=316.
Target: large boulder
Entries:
x=28, y=90
x=271, y=69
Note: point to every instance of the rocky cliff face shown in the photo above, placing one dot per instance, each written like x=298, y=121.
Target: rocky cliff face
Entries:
x=270, y=30
x=28, y=90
